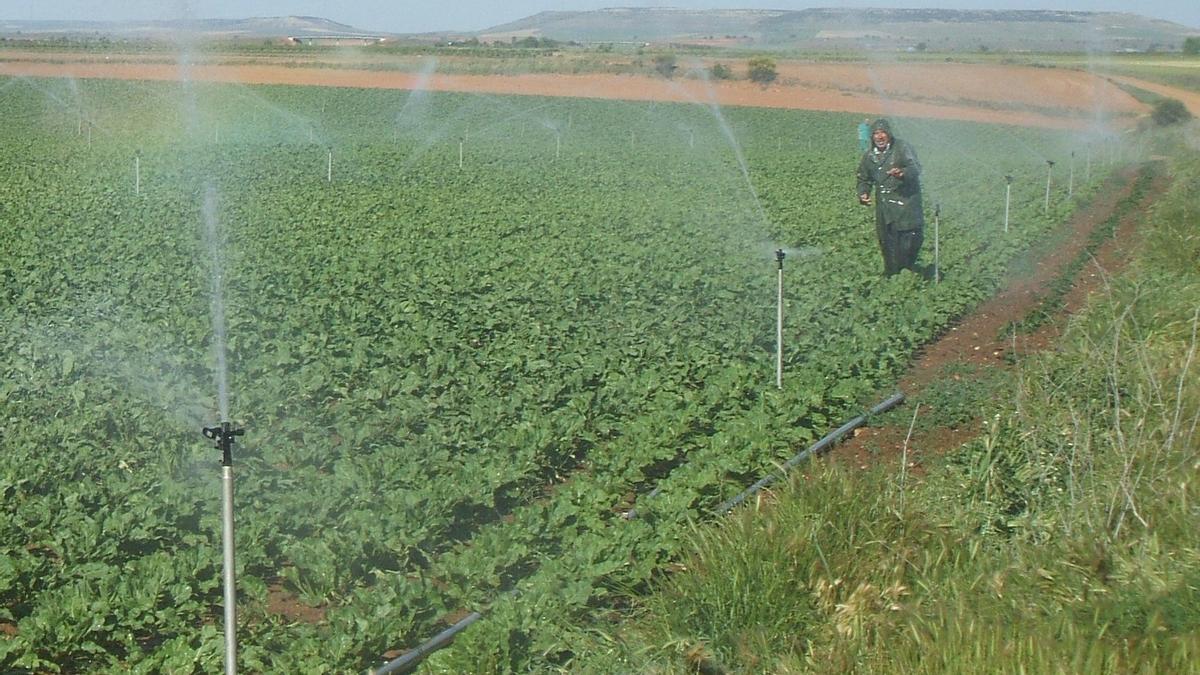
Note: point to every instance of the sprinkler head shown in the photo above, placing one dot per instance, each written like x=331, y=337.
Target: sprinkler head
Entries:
x=1008, y=179
x=937, y=210
x=779, y=255
x=223, y=435
x=1050, y=162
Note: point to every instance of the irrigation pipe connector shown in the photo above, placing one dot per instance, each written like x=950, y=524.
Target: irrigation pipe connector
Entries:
x=816, y=448
x=411, y=660
x=224, y=437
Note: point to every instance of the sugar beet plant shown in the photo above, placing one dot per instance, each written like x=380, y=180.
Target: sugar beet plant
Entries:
x=455, y=374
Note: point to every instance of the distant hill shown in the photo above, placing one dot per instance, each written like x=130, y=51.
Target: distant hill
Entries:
x=259, y=27
x=830, y=29
x=938, y=30
x=628, y=24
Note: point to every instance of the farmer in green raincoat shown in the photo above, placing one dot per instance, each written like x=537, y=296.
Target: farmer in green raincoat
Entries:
x=890, y=166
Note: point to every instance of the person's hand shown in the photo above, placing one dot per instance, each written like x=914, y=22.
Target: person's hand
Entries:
x=864, y=198
x=896, y=172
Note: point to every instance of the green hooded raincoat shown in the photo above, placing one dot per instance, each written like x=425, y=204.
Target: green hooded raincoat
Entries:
x=899, y=218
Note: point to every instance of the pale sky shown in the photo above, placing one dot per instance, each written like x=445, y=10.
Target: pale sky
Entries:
x=411, y=16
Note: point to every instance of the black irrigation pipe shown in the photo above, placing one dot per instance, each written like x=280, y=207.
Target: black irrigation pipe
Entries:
x=411, y=660
x=815, y=448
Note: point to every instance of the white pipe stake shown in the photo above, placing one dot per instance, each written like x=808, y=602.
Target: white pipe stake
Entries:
x=779, y=335
x=1071, y=179
x=230, y=580
x=937, y=217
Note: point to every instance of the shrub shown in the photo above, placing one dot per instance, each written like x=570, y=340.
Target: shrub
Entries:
x=1170, y=111
x=664, y=64
x=720, y=71
x=762, y=70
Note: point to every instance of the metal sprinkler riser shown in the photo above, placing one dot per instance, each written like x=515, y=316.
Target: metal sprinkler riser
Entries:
x=223, y=435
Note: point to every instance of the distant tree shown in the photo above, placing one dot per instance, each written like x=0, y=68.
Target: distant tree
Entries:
x=1191, y=46
x=1170, y=111
x=921, y=46
x=664, y=64
x=720, y=71
x=762, y=70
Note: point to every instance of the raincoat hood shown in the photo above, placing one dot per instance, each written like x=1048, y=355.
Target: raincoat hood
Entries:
x=883, y=125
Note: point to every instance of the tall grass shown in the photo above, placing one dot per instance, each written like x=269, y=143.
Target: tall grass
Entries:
x=1064, y=539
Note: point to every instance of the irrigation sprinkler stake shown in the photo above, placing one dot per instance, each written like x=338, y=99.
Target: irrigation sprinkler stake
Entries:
x=329, y=168
x=1071, y=178
x=937, y=217
x=1049, y=173
x=1007, y=199
x=557, y=145
x=137, y=173
x=779, y=255
x=224, y=436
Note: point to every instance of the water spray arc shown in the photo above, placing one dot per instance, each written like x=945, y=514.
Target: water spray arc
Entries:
x=223, y=436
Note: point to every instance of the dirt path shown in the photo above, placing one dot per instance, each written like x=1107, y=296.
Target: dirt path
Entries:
x=1019, y=95
x=979, y=343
